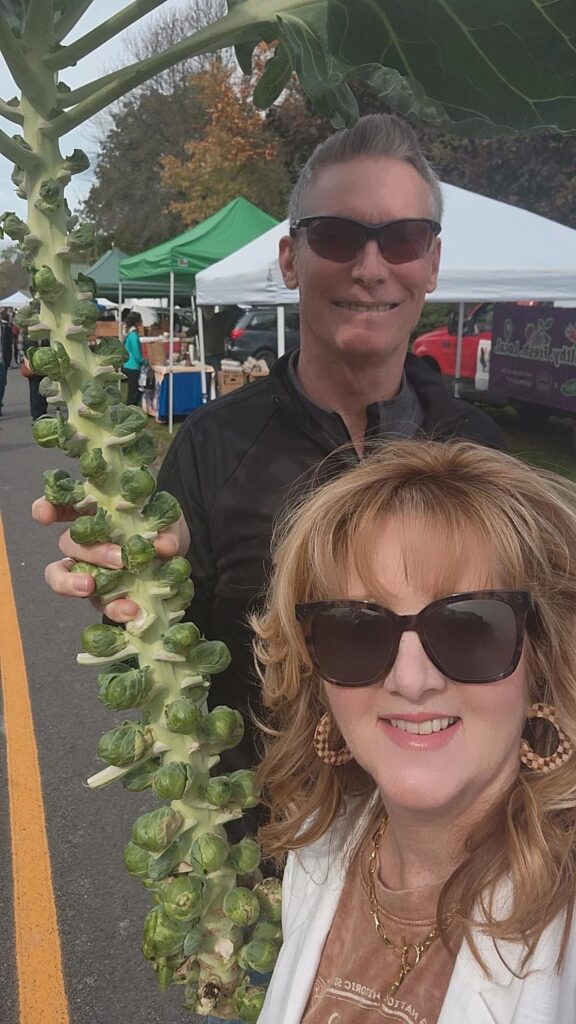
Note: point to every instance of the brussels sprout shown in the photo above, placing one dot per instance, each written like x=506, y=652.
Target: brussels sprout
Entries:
x=155, y=830
x=49, y=197
x=162, y=510
x=241, y=907
x=18, y=176
x=259, y=955
x=192, y=942
x=137, y=553
x=218, y=791
x=243, y=788
x=174, y=572
x=45, y=431
x=121, y=747
x=170, y=781
x=136, y=860
x=268, y=930
x=102, y=641
x=209, y=852
x=85, y=314
x=14, y=227
x=225, y=728
x=248, y=1002
x=245, y=856
x=28, y=314
x=269, y=895
x=50, y=362
x=49, y=388
x=184, y=716
x=92, y=529
x=162, y=937
x=140, y=778
x=182, y=898
x=71, y=442
x=60, y=488
x=137, y=484
x=127, y=419
x=94, y=466
x=94, y=399
x=142, y=452
x=164, y=864
x=208, y=657
x=39, y=332
x=81, y=239
x=181, y=599
x=77, y=161
x=105, y=579
x=124, y=687
x=87, y=286
x=177, y=639
x=47, y=285
x=110, y=352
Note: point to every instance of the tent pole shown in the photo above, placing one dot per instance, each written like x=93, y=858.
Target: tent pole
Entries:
x=281, y=329
x=171, y=359
x=458, y=367
x=202, y=354
x=120, y=310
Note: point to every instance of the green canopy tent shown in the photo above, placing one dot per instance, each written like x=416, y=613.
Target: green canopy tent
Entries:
x=106, y=273
x=177, y=261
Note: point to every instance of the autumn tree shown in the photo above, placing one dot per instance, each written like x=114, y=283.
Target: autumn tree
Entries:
x=237, y=154
x=13, y=276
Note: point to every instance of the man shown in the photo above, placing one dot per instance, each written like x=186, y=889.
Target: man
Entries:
x=237, y=461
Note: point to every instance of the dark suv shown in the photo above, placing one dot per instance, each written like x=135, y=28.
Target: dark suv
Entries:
x=255, y=334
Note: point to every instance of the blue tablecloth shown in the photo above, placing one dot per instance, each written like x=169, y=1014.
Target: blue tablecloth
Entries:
x=187, y=394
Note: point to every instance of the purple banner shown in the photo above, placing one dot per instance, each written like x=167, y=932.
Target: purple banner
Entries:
x=533, y=355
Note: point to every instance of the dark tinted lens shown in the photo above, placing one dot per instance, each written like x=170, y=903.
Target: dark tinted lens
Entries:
x=352, y=646
x=405, y=241
x=337, y=240
x=473, y=641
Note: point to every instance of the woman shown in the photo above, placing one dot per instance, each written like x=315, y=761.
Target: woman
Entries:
x=133, y=364
x=421, y=622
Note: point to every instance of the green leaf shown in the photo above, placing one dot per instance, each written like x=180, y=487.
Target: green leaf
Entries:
x=277, y=74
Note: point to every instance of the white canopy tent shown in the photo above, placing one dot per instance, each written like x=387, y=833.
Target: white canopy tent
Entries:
x=490, y=251
x=16, y=300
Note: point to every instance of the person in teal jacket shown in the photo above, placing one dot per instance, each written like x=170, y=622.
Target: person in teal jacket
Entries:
x=133, y=364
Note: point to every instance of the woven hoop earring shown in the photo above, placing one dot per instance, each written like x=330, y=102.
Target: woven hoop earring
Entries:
x=322, y=743
x=564, y=750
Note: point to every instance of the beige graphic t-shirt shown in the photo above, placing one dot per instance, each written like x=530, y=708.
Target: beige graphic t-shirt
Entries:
x=357, y=969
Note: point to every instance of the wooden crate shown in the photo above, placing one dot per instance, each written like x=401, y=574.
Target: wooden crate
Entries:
x=229, y=380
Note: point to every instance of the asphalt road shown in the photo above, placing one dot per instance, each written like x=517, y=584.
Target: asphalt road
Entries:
x=100, y=907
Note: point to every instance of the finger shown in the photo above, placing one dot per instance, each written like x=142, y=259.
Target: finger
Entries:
x=43, y=511
x=121, y=610
x=107, y=556
x=174, y=540
x=67, y=584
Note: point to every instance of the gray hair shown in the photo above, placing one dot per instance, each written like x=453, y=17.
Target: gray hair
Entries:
x=376, y=135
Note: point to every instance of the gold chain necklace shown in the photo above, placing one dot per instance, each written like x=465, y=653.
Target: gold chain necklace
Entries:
x=409, y=953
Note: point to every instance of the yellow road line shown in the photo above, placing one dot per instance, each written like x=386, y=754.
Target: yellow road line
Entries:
x=42, y=996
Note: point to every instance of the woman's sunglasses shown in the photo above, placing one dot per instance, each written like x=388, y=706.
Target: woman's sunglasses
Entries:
x=475, y=637
x=340, y=239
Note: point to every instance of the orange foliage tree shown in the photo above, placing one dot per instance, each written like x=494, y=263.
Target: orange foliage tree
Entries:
x=236, y=156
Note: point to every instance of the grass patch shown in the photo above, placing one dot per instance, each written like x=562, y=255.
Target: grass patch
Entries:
x=547, y=443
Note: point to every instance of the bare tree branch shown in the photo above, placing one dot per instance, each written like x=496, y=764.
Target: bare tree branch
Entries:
x=98, y=95
x=11, y=113
x=71, y=17
x=12, y=150
x=67, y=56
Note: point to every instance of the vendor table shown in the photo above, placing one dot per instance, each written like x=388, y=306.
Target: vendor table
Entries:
x=187, y=390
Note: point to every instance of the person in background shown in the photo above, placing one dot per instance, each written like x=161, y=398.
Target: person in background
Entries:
x=364, y=251
x=418, y=667
x=3, y=368
x=38, y=404
x=135, y=360
x=6, y=338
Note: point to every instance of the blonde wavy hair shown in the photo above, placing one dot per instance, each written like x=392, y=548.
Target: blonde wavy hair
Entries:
x=525, y=521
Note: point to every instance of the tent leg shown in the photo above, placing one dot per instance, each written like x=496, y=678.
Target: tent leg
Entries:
x=171, y=359
x=202, y=354
x=281, y=329
x=120, y=310
x=458, y=367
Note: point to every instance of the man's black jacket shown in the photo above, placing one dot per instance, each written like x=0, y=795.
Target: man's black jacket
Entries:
x=234, y=464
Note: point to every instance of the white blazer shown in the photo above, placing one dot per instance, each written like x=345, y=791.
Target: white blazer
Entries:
x=313, y=882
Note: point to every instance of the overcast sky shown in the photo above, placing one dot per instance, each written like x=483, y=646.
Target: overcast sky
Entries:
x=108, y=57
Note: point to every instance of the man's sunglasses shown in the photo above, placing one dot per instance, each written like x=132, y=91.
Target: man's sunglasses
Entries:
x=340, y=239
x=475, y=637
